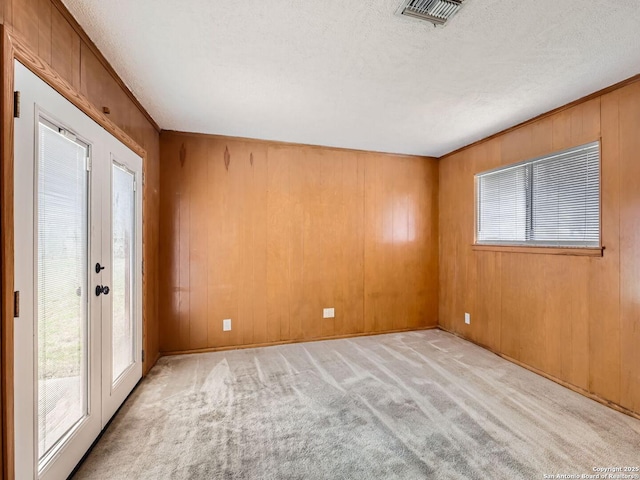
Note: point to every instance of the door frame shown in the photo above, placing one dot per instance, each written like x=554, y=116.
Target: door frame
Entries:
x=14, y=48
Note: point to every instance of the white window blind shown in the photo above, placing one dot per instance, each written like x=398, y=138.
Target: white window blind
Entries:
x=503, y=200
x=552, y=200
x=62, y=285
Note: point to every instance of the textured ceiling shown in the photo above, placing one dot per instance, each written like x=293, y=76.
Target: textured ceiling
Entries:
x=352, y=74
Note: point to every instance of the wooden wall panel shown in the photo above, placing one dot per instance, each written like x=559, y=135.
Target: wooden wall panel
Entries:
x=149, y=139
x=7, y=12
x=400, y=221
x=278, y=254
x=629, y=125
x=277, y=232
x=604, y=293
x=169, y=301
x=350, y=268
x=375, y=224
x=573, y=318
x=45, y=27
x=65, y=50
x=50, y=32
x=25, y=20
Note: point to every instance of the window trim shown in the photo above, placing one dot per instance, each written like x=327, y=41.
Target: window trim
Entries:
x=537, y=249
x=541, y=248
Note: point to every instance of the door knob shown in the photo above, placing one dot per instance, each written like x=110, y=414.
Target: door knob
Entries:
x=102, y=289
x=99, y=267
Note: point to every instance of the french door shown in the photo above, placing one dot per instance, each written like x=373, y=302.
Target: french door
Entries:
x=78, y=259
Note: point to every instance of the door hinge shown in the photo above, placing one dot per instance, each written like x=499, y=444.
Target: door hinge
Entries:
x=143, y=267
x=89, y=163
x=143, y=355
x=16, y=304
x=135, y=185
x=16, y=104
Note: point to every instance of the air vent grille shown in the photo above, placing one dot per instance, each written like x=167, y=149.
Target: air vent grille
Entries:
x=434, y=11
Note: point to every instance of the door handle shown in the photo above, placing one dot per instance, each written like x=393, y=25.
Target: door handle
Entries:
x=99, y=267
x=102, y=289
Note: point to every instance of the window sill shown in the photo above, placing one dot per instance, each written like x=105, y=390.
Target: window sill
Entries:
x=573, y=251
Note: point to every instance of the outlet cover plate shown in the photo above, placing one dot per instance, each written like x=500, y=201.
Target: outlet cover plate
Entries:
x=467, y=318
x=328, y=313
x=226, y=325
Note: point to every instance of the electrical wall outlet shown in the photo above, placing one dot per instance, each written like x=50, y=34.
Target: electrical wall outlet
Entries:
x=467, y=318
x=328, y=313
x=226, y=325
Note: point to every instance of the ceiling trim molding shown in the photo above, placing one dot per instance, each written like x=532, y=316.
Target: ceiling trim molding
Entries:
x=542, y=116
x=92, y=46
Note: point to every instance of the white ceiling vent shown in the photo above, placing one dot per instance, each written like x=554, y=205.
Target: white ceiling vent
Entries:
x=433, y=11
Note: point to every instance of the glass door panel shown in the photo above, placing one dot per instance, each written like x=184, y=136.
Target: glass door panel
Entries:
x=123, y=261
x=62, y=285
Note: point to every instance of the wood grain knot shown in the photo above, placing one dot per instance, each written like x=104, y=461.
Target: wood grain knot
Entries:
x=251, y=159
x=183, y=155
x=227, y=158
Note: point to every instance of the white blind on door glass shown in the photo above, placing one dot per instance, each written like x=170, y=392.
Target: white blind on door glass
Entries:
x=566, y=198
x=122, y=291
x=502, y=205
x=62, y=285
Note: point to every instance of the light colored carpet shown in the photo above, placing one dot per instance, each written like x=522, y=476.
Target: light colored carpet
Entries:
x=412, y=405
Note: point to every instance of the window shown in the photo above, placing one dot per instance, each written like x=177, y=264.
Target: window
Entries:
x=548, y=201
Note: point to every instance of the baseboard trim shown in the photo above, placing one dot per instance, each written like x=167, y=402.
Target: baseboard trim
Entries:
x=570, y=386
x=151, y=364
x=287, y=342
